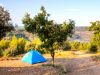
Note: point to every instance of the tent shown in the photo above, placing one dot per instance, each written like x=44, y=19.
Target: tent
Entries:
x=33, y=57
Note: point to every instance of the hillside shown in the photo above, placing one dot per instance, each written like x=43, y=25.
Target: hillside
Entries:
x=81, y=34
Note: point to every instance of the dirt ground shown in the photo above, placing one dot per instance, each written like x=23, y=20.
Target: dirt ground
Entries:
x=64, y=66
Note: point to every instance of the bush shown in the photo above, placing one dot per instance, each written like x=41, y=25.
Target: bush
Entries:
x=7, y=53
x=93, y=48
x=13, y=43
x=16, y=46
x=13, y=46
x=66, y=46
x=75, y=45
x=29, y=46
x=36, y=42
x=10, y=52
x=84, y=46
x=21, y=45
x=4, y=44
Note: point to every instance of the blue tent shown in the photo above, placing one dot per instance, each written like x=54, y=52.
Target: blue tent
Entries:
x=33, y=57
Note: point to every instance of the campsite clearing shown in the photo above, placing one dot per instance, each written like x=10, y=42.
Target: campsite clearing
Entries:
x=83, y=65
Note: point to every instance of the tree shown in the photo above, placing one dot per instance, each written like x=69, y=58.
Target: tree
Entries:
x=47, y=30
x=95, y=27
x=5, y=25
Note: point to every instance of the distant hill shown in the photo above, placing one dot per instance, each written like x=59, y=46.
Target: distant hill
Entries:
x=78, y=28
x=81, y=34
x=81, y=28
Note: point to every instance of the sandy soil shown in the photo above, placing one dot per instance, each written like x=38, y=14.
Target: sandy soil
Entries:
x=71, y=66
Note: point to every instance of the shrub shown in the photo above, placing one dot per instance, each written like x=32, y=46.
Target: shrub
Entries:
x=84, y=46
x=93, y=48
x=10, y=52
x=29, y=46
x=13, y=46
x=16, y=47
x=13, y=43
x=36, y=42
x=7, y=53
x=4, y=44
x=21, y=45
x=75, y=45
x=66, y=46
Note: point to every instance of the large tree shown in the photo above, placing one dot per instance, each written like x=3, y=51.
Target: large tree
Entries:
x=5, y=25
x=48, y=31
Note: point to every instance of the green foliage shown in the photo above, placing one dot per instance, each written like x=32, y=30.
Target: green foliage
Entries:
x=16, y=46
x=21, y=45
x=4, y=44
x=93, y=48
x=5, y=25
x=42, y=50
x=56, y=45
x=95, y=27
x=14, y=42
x=10, y=52
x=84, y=46
x=48, y=32
x=75, y=45
x=13, y=47
x=37, y=43
x=66, y=46
x=29, y=46
x=96, y=39
x=7, y=53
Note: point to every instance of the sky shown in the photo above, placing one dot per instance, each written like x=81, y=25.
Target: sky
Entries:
x=81, y=11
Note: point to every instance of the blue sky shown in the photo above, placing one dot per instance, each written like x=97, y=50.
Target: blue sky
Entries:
x=81, y=11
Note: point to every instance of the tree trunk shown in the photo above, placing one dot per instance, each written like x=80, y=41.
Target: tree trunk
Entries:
x=52, y=55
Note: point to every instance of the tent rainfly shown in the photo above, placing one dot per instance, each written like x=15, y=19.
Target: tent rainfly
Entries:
x=33, y=57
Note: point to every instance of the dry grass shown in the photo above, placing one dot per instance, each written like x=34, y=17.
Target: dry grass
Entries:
x=69, y=54
x=62, y=54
